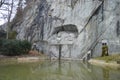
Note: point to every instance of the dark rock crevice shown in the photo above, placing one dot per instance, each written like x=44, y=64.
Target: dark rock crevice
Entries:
x=118, y=28
x=66, y=28
x=73, y=3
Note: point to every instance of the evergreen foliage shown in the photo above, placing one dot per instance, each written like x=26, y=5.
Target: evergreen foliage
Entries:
x=14, y=47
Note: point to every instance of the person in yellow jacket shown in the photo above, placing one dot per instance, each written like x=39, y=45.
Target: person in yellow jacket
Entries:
x=104, y=49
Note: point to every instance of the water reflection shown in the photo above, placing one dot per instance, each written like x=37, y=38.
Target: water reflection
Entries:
x=56, y=70
x=105, y=74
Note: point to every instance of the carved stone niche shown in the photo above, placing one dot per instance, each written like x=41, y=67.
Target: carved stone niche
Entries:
x=65, y=34
x=71, y=28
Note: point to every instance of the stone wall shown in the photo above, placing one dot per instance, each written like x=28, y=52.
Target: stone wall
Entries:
x=79, y=26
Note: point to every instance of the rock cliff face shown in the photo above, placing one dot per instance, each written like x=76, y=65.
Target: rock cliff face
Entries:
x=77, y=25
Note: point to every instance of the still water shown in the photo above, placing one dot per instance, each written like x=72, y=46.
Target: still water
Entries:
x=55, y=70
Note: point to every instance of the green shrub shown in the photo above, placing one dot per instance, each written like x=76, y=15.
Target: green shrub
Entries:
x=3, y=34
x=25, y=45
x=14, y=47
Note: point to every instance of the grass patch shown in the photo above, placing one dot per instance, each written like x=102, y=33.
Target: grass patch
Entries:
x=109, y=58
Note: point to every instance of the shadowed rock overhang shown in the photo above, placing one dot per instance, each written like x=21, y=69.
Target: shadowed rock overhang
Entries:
x=66, y=28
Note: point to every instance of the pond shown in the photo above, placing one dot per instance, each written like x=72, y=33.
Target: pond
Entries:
x=55, y=70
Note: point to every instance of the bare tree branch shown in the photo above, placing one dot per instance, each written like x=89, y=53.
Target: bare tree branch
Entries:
x=10, y=10
x=1, y=2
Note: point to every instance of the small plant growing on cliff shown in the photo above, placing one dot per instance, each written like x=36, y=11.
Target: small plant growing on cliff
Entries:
x=12, y=35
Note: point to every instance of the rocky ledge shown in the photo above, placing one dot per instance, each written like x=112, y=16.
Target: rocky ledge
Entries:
x=104, y=63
